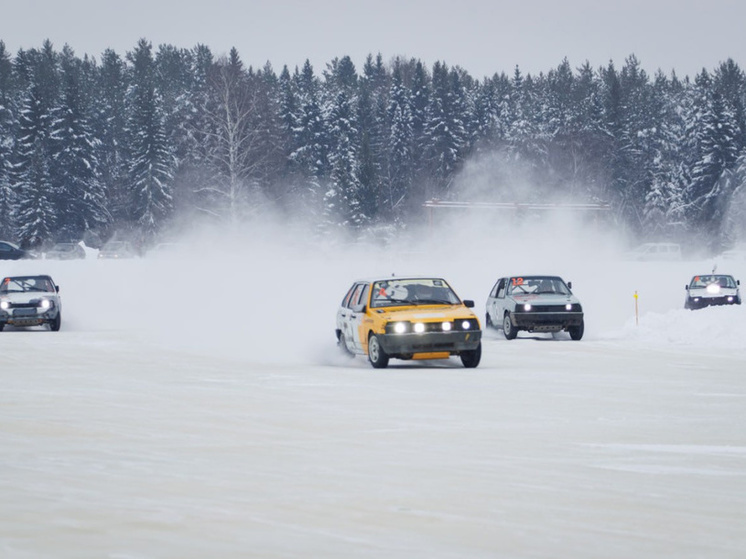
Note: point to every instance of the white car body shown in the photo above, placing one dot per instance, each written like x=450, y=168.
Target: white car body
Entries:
x=30, y=301
x=708, y=290
x=534, y=304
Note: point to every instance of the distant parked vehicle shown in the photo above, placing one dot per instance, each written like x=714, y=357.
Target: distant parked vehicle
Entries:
x=117, y=249
x=649, y=252
x=734, y=255
x=11, y=251
x=66, y=251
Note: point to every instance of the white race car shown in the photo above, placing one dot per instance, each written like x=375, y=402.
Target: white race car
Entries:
x=30, y=301
x=534, y=304
x=710, y=290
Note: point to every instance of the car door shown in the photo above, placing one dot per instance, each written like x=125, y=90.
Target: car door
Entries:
x=350, y=317
x=497, y=301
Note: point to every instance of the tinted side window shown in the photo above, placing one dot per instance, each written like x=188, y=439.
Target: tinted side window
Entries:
x=363, y=300
x=501, y=288
x=346, y=300
x=357, y=289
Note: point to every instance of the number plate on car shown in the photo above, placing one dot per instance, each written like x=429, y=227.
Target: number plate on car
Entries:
x=24, y=312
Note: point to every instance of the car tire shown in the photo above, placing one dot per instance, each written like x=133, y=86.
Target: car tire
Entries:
x=470, y=359
x=509, y=330
x=2, y=325
x=342, y=343
x=576, y=332
x=55, y=325
x=376, y=355
x=488, y=321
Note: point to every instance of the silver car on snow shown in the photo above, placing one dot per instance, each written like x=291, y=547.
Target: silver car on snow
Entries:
x=534, y=304
x=30, y=301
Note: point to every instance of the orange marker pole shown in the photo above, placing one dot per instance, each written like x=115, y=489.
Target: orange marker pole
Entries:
x=637, y=311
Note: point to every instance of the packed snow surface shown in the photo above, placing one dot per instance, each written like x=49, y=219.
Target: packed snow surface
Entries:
x=195, y=405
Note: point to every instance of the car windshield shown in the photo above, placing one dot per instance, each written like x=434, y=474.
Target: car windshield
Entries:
x=26, y=284
x=416, y=291
x=700, y=282
x=537, y=285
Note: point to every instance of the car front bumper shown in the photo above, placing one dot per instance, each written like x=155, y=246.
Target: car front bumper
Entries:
x=396, y=345
x=28, y=317
x=546, y=321
x=702, y=302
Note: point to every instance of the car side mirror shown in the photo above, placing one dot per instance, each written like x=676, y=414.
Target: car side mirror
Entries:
x=57, y=288
x=468, y=303
x=569, y=284
x=686, y=287
x=738, y=282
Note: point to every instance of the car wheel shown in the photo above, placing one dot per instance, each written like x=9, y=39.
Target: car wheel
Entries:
x=54, y=326
x=576, y=332
x=376, y=354
x=342, y=343
x=471, y=358
x=509, y=330
x=2, y=325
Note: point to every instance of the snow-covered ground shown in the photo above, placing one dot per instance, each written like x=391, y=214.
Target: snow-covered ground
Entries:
x=197, y=407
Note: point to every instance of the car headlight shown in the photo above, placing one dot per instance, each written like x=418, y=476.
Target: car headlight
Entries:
x=400, y=327
x=730, y=299
x=466, y=324
x=419, y=327
x=5, y=305
x=446, y=326
x=45, y=304
x=568, y=307
x=527, y=307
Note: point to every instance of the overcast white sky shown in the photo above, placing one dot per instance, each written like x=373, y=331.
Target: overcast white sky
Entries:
x=483, y=37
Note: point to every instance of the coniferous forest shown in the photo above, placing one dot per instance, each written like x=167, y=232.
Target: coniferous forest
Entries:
x=129, y=143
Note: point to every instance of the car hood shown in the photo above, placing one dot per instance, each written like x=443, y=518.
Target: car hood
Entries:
x=27, y=297
x=426, y=313
x=548, y=299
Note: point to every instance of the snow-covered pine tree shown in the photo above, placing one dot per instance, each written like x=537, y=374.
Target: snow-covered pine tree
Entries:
x=7, y=141
x=400, y=149
x=445, y=130
x=151, y=164
x=109, y=125
x=34, y=217
x=342, y=202
x=717, y=151
x=79, y=196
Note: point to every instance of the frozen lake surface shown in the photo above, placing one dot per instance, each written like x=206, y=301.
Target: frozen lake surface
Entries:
x=193, y=409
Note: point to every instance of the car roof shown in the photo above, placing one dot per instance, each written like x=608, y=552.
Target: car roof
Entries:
x=29, y=276
x=395, y=278
x=533, y=276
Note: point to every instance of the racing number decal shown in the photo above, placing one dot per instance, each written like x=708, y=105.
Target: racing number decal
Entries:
x=516, y=281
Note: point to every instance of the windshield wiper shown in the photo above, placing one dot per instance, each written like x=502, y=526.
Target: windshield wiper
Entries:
x=431, y=302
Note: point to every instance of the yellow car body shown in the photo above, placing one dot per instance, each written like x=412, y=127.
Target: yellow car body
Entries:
x=408, y=318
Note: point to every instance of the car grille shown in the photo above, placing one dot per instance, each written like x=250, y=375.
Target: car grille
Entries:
x=32, y=305
x=551, y=308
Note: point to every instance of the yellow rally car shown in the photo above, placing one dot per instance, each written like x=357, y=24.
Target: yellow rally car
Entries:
x=408, y=318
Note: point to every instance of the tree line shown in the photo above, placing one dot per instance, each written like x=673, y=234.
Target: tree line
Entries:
x=126, y=145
